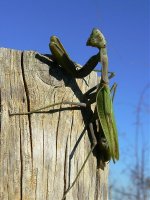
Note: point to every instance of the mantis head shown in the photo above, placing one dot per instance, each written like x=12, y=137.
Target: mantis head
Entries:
x=96, y=39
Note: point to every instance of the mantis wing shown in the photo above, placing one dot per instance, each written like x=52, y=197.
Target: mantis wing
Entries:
x=107, y=120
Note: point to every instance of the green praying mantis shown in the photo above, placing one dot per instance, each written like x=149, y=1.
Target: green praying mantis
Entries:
x=104, y=108
x=103, y=113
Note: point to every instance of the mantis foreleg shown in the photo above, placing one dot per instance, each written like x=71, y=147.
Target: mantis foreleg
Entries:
x=62, y=58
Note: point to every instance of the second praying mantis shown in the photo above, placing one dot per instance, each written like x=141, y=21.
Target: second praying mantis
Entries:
x=107, y=143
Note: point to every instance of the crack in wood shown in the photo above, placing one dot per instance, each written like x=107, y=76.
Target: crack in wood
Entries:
x=65, y=165
x=21, y=168
x=28, y=102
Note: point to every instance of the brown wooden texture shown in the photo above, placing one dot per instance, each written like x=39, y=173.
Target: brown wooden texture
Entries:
x=35, y=150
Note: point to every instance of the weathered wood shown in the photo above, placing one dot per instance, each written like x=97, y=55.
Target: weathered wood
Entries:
x=35, y=149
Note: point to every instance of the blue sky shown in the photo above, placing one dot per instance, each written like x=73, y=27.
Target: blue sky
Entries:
x=27, y=25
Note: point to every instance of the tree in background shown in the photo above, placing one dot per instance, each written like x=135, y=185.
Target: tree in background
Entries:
x=139, y=184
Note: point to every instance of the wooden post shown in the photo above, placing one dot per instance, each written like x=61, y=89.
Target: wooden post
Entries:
x=36, y=159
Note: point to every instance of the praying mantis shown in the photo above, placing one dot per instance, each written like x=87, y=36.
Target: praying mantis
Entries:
x=104, y=106
x=101, y=94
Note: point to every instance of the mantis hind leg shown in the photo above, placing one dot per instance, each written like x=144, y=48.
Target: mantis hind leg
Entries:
x=94, y=143
x=100, y=162
x=80, y=104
